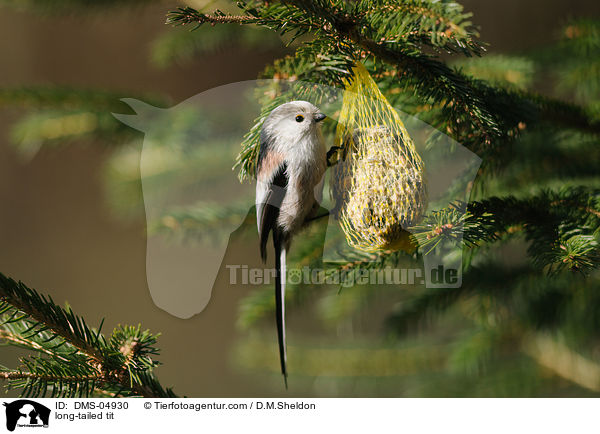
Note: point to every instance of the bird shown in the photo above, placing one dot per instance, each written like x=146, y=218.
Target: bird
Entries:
x=291, y=164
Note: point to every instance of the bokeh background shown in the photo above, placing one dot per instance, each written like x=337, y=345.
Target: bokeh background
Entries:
x=61, y=234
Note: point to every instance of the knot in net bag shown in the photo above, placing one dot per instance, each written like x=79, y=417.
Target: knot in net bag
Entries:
x=379, y=182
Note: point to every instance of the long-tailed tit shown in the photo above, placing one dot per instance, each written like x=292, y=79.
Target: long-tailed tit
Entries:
x=291, y=164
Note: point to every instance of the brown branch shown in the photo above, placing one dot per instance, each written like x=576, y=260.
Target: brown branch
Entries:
x=32, y=345
x=189, y=15
x=592, y=211
x=587, y=209
x=102, y=380
x=223, y=19
x=53, y=326
x=383, y=255
x=30, y=375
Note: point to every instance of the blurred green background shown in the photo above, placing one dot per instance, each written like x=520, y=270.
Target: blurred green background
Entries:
x=60, y=233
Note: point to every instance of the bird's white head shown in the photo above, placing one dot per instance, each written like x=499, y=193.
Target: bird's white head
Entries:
x=293, y=120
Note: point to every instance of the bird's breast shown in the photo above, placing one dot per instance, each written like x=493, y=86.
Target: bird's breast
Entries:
x=304, y=189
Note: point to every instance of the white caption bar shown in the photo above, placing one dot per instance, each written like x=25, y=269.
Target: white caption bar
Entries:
x=275, y=415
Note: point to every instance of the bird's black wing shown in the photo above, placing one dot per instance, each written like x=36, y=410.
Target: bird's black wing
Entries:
x=269, y=211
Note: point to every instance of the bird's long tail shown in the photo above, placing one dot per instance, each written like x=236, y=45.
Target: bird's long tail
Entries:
x=280, y=252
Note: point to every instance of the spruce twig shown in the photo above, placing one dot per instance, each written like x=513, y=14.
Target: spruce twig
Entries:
x=74, y=359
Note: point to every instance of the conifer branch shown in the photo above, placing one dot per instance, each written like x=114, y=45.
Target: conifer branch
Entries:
x=188, y=15
x=15, y=339
x=480, y=116
x=49, y=378
x=60, y=322
x=74, y=360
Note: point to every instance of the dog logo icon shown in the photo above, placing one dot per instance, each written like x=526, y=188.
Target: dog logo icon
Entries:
x=26, y=413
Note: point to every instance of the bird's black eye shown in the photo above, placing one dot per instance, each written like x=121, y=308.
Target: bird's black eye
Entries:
x=299, y=118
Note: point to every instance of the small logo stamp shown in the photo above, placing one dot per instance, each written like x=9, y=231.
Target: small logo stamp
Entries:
x=25, y=413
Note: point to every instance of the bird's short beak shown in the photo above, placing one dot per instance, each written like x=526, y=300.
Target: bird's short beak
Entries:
x=319, y=117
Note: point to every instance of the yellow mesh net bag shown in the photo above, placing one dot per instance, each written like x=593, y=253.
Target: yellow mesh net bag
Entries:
x=379, y=182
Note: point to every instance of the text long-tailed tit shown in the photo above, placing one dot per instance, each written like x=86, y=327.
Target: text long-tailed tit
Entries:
x=291, y=164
